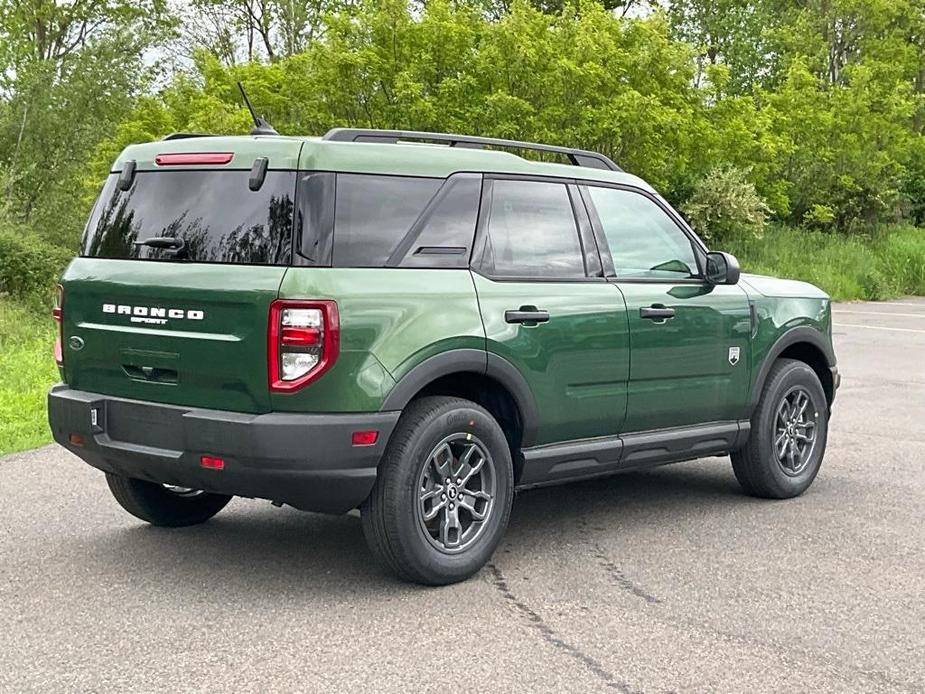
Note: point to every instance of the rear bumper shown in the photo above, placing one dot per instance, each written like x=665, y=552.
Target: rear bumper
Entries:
x=304, y=460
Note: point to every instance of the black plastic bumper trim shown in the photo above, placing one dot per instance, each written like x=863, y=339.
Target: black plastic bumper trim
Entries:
x=304, y=460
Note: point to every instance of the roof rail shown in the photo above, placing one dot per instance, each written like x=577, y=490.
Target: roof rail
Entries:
x=184, y=136
x=578, y=157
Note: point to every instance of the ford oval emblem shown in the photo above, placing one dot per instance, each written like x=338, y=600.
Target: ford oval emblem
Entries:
x=75, y=343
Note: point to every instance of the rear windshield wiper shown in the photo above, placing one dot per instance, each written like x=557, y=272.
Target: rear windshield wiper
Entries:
x=171, y=243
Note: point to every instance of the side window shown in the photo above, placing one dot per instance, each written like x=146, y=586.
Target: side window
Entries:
x=644, y=241
x=532, y=232
x=372, y=214
x=315, y=217
x=442, y=236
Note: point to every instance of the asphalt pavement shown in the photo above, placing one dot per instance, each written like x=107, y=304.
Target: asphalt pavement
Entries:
x=658, y=581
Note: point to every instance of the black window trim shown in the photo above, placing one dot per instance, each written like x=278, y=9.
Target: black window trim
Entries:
x=417, y=227
x=478, y=262
x=697, y=245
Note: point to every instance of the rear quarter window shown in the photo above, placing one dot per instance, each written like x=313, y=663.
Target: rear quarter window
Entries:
x=374, y=213
x=215, y=212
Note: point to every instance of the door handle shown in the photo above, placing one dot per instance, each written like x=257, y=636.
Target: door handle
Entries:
x=656, y=312
x=527, y=314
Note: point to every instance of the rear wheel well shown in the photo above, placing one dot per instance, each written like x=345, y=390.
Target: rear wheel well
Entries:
x=813, y=357
x=490, y=394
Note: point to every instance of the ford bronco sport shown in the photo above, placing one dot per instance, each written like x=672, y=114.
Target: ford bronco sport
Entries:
x=417, y=325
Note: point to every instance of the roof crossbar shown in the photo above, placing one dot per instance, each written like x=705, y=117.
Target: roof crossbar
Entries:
x=578, y=157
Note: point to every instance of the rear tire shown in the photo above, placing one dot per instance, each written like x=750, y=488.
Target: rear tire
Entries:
x=789, y=429
x=443, y=492
x=162, y=506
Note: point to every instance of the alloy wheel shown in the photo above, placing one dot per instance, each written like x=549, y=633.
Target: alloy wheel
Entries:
x=795, y=431
x=456, y=493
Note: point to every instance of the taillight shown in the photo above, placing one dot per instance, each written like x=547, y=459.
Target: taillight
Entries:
x=304, y=340
x=58, y=314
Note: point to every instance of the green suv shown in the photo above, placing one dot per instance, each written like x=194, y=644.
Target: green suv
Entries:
x=417, y=325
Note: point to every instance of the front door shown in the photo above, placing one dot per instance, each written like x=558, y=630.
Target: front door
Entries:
x=548, y=310
x=689, y=339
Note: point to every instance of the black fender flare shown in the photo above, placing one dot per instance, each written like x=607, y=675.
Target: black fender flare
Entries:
x=462, y=361
x=791, y=337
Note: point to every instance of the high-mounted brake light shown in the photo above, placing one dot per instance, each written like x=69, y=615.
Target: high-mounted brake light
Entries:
x=58, y=314
x=303, y=342
x=201, y=158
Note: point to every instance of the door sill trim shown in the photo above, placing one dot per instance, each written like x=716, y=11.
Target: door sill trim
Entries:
x=588, y=458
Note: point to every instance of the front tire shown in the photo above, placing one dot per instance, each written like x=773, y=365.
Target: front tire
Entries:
x=170, y=507
x=443, y=493
x=788, y=434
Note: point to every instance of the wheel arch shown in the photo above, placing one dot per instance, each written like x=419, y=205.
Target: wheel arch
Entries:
x=485, y=378
x=803, y=344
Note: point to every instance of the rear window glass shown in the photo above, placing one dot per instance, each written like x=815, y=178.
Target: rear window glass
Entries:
x=216, y=214
x=373, y=213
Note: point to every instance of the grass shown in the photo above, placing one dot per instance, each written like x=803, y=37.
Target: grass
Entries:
x=889, y=262
x=27, y=370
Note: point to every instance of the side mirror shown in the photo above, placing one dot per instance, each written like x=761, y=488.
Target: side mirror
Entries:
x=722, y=268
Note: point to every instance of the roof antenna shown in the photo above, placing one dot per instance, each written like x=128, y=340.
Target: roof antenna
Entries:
x=261, y=126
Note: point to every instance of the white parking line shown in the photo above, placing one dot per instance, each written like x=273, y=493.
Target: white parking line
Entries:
x=878, y=313
x=877, y=327
x=908, y=304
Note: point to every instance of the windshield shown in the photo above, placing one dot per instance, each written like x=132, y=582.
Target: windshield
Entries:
x=216, y=214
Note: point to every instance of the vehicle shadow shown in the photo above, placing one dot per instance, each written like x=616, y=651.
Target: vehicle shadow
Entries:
x=259, y=551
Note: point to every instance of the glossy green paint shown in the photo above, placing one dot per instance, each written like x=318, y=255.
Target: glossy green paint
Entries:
x=681, y=373
x=415, y=159
x=781, y=306
x=577, y=364
x=412, y=159
x=282, y=152
x=595, y=369
x=219, y=362
x=774, y=287
x=391, y=321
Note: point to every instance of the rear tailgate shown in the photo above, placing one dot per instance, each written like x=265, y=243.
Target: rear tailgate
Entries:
x=170, y=332
x=182, y=256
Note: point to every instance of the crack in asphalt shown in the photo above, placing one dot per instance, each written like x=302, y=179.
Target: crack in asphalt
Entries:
x=620, y=578
x=497, y=579
x=616, y=574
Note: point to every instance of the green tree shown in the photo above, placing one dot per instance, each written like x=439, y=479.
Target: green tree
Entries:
x=69, y=73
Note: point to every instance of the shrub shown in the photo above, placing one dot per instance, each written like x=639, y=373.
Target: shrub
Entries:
x=725, y=205
x=889, y=263
x=29, y=267
x=819, y=217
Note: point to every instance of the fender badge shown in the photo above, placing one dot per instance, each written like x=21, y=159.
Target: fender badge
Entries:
x=75, y=342
x=733, y=355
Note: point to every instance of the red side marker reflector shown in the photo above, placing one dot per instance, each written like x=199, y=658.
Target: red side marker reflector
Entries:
x=57, y=314
x=212, y=463
x=76, y=439
x=185, y=158
x=365, y=438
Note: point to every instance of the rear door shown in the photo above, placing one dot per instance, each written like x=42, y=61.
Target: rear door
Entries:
x=689, y=339
x=187, y=327
x=547, y=308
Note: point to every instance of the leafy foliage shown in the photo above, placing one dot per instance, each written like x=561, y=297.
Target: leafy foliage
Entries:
x=819, y=104
x=725, y=205
x=29, y=266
